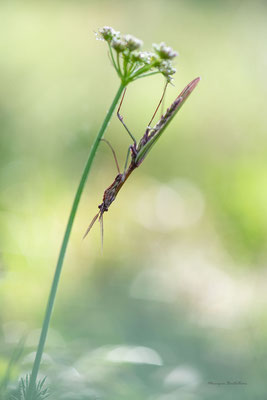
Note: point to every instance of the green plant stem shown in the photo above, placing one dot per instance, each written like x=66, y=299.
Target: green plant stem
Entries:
x=64, y=245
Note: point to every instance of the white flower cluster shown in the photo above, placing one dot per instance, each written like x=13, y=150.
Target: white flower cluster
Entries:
x=164, y=52
x=138, y=63
x=143, y=57
x=118, y=42
x=166, y=68
x=107, y=33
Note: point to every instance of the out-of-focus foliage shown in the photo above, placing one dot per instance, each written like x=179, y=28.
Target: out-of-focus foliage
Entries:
x=176, y=303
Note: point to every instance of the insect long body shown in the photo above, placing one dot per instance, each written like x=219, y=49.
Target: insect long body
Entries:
x=139, y=151
x=110, y=194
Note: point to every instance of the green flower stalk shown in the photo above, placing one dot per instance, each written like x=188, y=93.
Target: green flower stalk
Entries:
x=130, y=64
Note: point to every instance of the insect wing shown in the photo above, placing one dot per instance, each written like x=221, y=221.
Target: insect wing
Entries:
x=165, y=120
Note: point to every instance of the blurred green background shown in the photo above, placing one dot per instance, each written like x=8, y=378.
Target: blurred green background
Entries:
x=177, y=301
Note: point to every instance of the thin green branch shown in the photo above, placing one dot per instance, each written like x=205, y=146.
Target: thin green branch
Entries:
x=125, y=64
x=140, y=71
x=119, y=64
x=145, y=75
x=132, y=68
x=64, y=245
x=117, y=67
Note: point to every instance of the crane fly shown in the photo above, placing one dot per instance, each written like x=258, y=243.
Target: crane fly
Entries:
x=138, y=151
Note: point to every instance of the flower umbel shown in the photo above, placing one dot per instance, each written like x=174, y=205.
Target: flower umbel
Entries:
x=131, y=63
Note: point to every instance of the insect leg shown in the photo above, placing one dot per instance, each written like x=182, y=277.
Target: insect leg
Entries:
x=126, y=162
x=121, y=118
x=114, y=154
x=161, y=99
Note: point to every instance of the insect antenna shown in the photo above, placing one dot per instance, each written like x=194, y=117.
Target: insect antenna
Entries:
x=161, y=99
x=91, y=224
x=114, y=154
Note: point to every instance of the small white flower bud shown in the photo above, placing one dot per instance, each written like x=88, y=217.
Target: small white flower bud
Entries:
x=118, y=44
x=166, y=68
x=165, y=52
x=144, y=57
x=108, y=33
x=132, y=42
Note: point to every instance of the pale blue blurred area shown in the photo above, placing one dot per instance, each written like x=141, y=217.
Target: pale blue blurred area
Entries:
x=177, y=301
